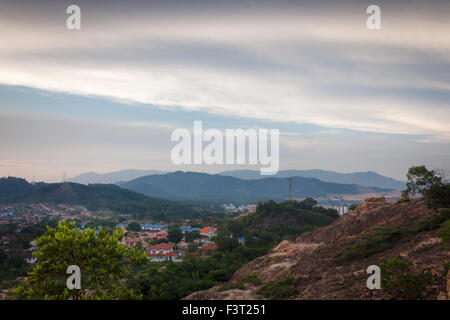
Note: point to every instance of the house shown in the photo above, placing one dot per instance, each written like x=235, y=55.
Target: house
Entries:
x=162, y=256
x=209, y=247
x=203, y=239
x=183, y=245
x=157, y=227
x=207, y=231
x=160, y=248
x=129, y=242
x=161, y=252
x=162, y=234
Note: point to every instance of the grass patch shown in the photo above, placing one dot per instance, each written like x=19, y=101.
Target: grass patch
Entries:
x=279, y=289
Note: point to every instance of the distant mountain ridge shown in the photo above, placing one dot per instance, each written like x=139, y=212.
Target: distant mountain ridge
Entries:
x=369, y=178
x=112, y=177
x=202, y=186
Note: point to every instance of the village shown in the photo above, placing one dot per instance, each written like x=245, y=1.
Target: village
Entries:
x=154, y=239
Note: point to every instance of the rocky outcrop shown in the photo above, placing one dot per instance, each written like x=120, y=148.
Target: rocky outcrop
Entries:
x=311, y=259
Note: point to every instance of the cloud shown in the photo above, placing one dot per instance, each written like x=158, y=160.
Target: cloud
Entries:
x=324, y=68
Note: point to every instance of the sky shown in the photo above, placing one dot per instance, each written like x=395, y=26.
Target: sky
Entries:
x=108, y=96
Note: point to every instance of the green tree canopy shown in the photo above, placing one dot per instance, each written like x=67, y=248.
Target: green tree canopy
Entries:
x=102, y=260
x=174, y=234
x=420, y=179
x=134, y=226
x=191, y=236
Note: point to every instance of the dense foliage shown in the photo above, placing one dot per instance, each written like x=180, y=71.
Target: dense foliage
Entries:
x=431, y=184
x=273, y=222
x=12, y=256
x=103, y=262
x=134, y=226
x=400, y=282
x=174, y=234
x=177, y=280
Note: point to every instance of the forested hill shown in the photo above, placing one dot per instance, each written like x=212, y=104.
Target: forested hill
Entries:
x=273, y=222
x=97, y=197
x=201, y=186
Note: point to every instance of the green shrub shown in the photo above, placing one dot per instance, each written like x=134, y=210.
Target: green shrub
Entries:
x=253, y=278
x=444, y=233
x=279, y=289
x=446, y=267
x=232, y=285
x=438, y=196
x=398, y=281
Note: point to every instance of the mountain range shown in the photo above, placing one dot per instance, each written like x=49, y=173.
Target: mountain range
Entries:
x=112, y=177
x=369, y=178
x=202, y=186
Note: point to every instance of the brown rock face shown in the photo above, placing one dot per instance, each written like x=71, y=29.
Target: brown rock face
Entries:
x=311, y=259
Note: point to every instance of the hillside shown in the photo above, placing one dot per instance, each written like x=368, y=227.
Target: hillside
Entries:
x=195, y=186
x=11, y=187
x=285, y=219
x=330, y=262
x=97, y=197
x=369, y=178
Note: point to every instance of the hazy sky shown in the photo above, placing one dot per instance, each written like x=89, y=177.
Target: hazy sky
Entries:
x=108, y=96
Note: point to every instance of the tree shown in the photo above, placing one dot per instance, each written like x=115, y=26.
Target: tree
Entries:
x=134, y=226
x=420, y=180
x=174, y=234
x=102, y=260
x=444, y=174
x=308, y=203
x=225, y=242
x=195, y=224
x=191, y=236
x=438, y=196
x=192, y=247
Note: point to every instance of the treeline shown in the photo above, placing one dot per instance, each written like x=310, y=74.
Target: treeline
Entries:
x=12, y=255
